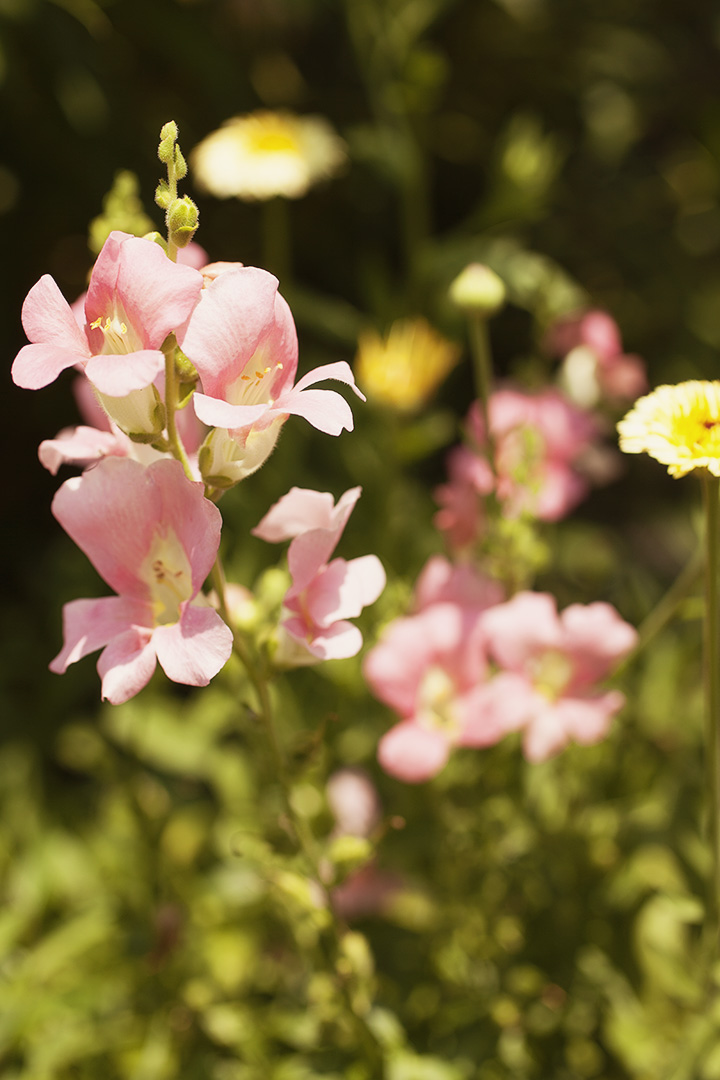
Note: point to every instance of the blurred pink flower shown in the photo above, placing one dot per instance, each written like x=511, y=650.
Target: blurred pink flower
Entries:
x=354, y=802
x=461, y=516
x=86, y=444
x=539, y=440
x=153, y=537
x=550, y=665
x=594, y=364
x=441, y=581
x=323, y=595
x=136, y=297
x=241, y=338
x=431, y=669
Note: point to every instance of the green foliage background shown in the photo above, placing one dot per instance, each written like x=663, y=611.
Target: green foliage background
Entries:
x=156, y=922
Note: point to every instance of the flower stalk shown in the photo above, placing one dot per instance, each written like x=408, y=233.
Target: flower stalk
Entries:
x=331, y=939
x=711, y=662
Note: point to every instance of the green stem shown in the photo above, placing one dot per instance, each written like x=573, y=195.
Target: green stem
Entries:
x=667, y=606
x=332, y=949
x=711, y=662
x=176, y=445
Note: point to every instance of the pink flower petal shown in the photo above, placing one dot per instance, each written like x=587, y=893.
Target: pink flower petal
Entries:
x=79, y=446
x=596, y=638
x=48, y=318
x=395, y=667
x=335, y=642
x=490, y=710
x=36, y=366
x=155, y=294
x=126, y=665
x=342, y=590
x=522, y=628
x=326, y=410
x=297, y=512
x=193, y=650
x=113, y=511
x=90, y=624
x=442, y=581
x=239, y=313
x=310, y=550
x=118, y=375
x=413, y=753
x=217, y=413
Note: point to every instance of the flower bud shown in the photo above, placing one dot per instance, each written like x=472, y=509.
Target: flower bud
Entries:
x=182, y=221
x=478, y=290
x=168, y=138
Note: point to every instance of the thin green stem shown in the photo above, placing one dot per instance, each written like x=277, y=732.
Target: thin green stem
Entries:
x=332, y=949
x=711, y=662
x=667, y=606
x=171, y=393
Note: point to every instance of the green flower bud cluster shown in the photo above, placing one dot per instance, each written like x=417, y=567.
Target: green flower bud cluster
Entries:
x=181, y=214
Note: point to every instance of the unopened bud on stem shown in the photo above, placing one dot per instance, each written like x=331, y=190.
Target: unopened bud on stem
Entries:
x=477, y=290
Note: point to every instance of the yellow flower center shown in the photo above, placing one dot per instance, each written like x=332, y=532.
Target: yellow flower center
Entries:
x=119, y=338
x=678, y=426
x=551, y=673
x=167, y=572
x=268, y=141
x=436, y=702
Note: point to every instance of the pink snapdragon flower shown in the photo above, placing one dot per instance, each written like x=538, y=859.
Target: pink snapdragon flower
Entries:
x=153, y=537
x=241, y=338
x=594, y=364
x=323, y=595
x=540, y=440
x=431, y=668
x=550, y=665
x=136, y=297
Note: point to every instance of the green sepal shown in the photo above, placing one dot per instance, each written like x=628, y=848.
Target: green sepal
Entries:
x=187, y=372
x=220, y=482
x=185, y=391
x=180, y=164
x=163, y=197
x=157, y=238
x=146, y=437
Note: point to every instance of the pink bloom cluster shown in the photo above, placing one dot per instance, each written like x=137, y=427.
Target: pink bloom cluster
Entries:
x=153, y=537
x=143, y=523
x=466, y=668
x=539, y=441
x=323, y=595
x=594, y=364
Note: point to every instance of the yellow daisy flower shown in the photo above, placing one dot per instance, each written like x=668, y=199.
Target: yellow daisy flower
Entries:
x=266, y=154
x=678, y=426
x=404, y=369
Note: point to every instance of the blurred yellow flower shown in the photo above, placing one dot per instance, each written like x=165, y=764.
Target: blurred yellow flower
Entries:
x=266, y=154
x=404, y=369
x=677, y=425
